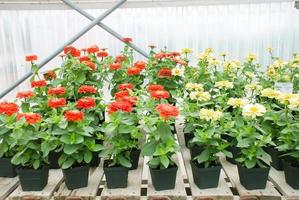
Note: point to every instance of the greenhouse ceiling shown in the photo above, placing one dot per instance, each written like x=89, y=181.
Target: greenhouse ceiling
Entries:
x=56, y=4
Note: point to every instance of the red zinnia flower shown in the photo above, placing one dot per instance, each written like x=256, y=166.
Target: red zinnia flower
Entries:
x=140, y=64
x=40, y=83
x=115, y=66
x=25, y=94
x=174, y=54
x=119, y=105
x=121, y=94
x=127, y=40
x=84, y=58
x=160, y=55
x=8, y=108
x=87, y=89
x=56, y=103
x=120, y=58
x=160, y=94
x=91, y=65
x=50, y=75
x=31, y=118
x=132, y=100
x=57, y=91
x=133, y=71
x=154, y=87
x=31, y=58
x=70, y=50
x=93, y=49
x=181, y=62
x=73, y=115
x=102, y=54
x=86, y=103
x=125, y=86
x=164, y=73
x=167, y=110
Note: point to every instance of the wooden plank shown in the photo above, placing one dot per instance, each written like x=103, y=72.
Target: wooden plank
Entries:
x=222, y=192
x=132, y=192
x=278, y=179
x=269, y=193
x=55, y=179
x=86, y=193
x=7, y=185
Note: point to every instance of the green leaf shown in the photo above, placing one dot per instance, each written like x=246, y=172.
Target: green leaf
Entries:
x=71, y=148
x=203, y=157
x=165, y=161
x=36, y=164
x=87, y=156
x=81, y=78
x=124, y=161
x=149, y=148
x=25, y=107
x=68, y=163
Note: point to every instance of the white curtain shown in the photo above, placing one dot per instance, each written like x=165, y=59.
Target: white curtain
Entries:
x=237, y=29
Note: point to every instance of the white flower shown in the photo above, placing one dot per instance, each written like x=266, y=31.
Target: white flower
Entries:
x=237, y=102
x=253, y=110
x=178, y=71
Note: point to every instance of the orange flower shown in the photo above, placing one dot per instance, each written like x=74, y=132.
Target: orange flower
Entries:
x=160, y=94
x=57, y=91
x=132, y=100
x=115, y=66
x=84, y=58
x=40, y=83
x=93, y=49
x=86, y=103
x=123, y=106
x=121, y=94
x=181, y=62
x=120, y=58
x=127, y=40
x=25, y=94
x=9, y=109
x=70, y=50
x=125, y=86
x=133, y=71
x=56, y=103
x=91, y=65
x=103, y=54
x=73, y=115
x=160, y=55
x=164, y=73
x=140, y=64
x=31, y=58
x=173, y=54
x=50, y=75
x=87, y=89
x=154, y=87
x=31, y=118
x=167, y=110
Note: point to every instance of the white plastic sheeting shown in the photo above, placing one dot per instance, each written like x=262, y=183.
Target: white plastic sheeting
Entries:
x=237, y=29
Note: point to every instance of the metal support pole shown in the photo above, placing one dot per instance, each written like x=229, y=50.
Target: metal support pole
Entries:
x=109, y=30
x=70, y=41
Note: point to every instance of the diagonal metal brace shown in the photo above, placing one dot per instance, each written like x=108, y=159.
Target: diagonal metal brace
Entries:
x=94, y=22
x=109, y=30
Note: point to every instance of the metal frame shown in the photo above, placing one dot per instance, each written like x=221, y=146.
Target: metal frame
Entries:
x=94, y=21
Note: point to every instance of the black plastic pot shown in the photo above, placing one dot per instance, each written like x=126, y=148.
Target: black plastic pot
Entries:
x=164, y=179
x=276, y=157
x=33, y=180
x=235, y=151
x=134, y=156
x=254, y=178
x=7, y=169
x=291, y=171
x=195, y=151
x=188, y=137
x=205, y=177
x=116, y=176
x=173, y=129
x=53, y=159
x=96, y=160
x=76, y=177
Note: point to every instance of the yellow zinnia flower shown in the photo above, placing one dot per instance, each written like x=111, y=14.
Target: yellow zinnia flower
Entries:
x=200, y=96
x=187, y=50
x=270, y=93
x=237, y=102
x=294, y=102
x=224, y=84
x=253, y=110
x=253, y=87
x=250, y=57
x=194, y=86
x=232, y=65
x=210, y=114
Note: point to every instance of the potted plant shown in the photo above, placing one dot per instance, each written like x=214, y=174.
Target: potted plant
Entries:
x=30, y=158
x=253, y=161
x=289, y=143
x=122, y=136
x=161, y=145
x=205, y=166
x=78, y=144
x=8, y=114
